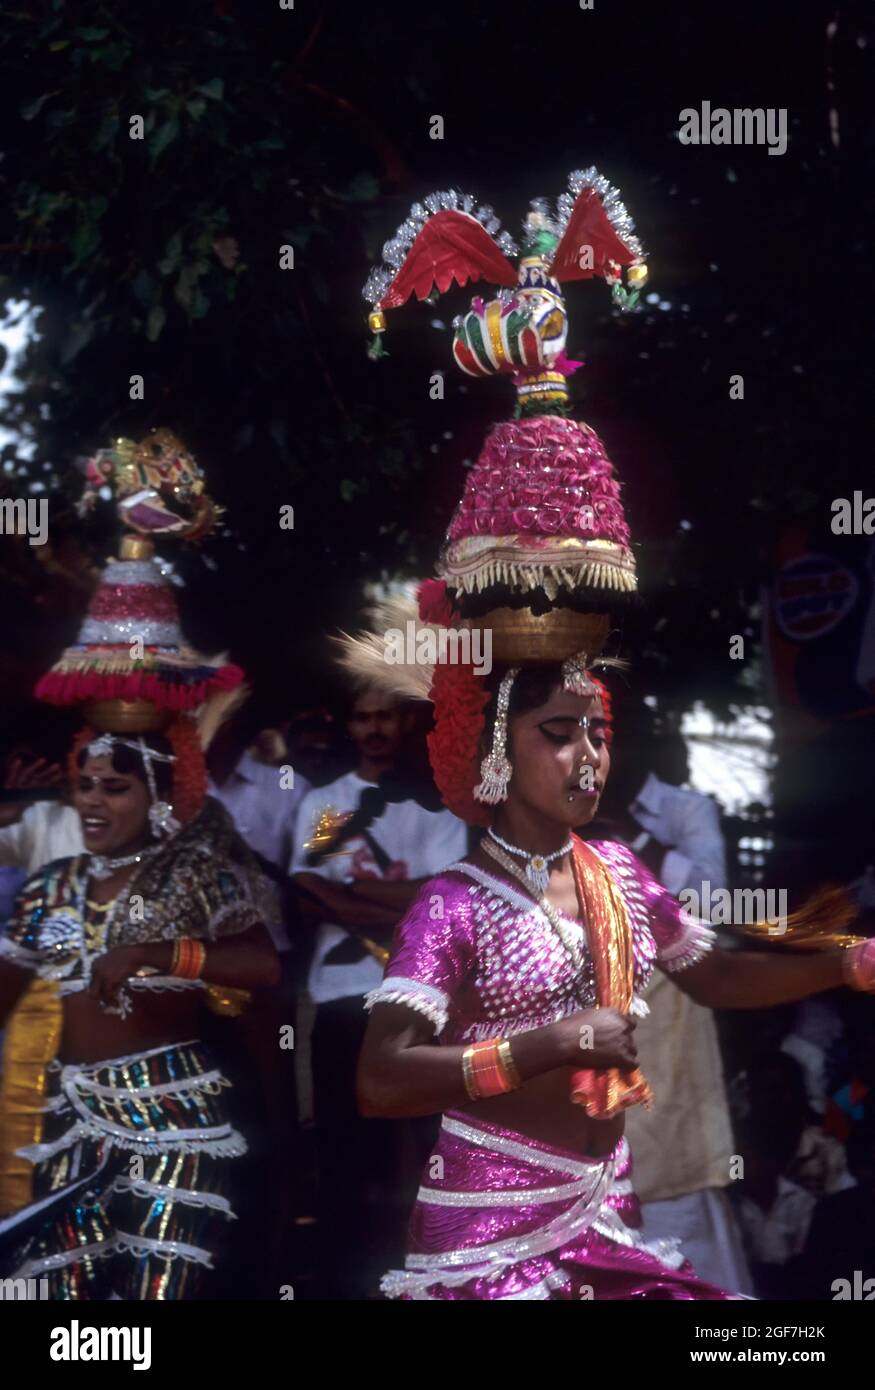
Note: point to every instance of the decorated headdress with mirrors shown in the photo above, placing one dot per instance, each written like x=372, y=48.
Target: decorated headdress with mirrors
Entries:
x=538, y=551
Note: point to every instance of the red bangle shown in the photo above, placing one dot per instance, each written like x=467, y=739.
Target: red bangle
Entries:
x=488, y=1069
x=189, y=958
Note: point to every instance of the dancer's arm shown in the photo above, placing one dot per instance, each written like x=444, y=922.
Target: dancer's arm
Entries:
x=401, y=1071
x=247, y=960
x=749, y=980
x=402, y=1074
x=717, y=979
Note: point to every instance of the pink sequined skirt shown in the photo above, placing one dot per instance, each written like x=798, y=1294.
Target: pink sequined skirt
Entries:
x=501, y=1216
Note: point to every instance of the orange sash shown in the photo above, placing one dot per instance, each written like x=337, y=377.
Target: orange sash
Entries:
x=604, y=1094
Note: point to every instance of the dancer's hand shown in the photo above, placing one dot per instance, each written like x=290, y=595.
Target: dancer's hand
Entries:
x=599, y=1038
x=110, y=972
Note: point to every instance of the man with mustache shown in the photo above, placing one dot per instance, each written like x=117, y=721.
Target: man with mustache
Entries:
x=359, y=892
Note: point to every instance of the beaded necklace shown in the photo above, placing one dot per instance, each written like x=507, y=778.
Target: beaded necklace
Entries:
x=537, y=868
x=90, y=950
x=552, y=913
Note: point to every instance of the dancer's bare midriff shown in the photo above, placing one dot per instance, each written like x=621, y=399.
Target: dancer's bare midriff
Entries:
x=541, y=1109
x=92, y=1035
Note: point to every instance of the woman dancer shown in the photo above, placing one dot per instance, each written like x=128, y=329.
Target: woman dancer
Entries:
x=164, y=909
x=509, y=998
x=528, y=1195
x=136, y=1127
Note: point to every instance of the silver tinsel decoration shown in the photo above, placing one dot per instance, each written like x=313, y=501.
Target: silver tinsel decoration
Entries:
x=397, y=247
x=617, y=212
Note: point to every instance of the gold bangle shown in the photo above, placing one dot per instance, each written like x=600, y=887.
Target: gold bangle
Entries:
x=510, y=1067
x=468, y=1073
x=197, y=959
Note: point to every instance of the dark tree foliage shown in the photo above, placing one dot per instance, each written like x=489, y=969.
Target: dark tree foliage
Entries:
x=309, y=128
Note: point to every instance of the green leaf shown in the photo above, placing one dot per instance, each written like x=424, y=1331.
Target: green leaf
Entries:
x=91, y=34
x=84, y=241
x=363, y=188
x=106, y=132
x=113, y=55
x=164, y=136
x=56, y=120
x=33, y=108
x=196, y=108
x=214, y=89
x=184, y=288
x=143, y=287
x=169, y=263
x=78, y=338
x=155, y=321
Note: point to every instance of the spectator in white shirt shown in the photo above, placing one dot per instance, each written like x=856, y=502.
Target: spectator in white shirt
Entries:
x=262, y=795
x=362, y=891
x=775, y=1213
x=36, y=832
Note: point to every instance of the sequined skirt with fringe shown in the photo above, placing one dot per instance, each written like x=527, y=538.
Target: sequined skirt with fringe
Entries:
x=130, y=1179
x=501, y=1216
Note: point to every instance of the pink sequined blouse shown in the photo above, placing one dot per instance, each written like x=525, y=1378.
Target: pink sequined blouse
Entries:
x=478, y=957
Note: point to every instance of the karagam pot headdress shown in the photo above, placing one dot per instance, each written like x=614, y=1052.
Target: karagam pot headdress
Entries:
x=538, y=551
x=130, y=667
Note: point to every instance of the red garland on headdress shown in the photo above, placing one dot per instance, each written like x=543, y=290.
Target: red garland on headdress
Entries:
x=189, y=770
x=189, y=787
x=607, y=708
x=460, y=699
x=435, y=604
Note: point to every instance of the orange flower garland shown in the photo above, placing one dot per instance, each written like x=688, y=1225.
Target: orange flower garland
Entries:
x=460, y=699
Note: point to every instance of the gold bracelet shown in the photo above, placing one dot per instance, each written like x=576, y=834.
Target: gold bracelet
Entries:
x=468, y=1073
x=509, y=1064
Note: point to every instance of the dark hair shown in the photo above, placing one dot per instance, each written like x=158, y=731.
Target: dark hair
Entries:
x=533, y=687
x=129, y=763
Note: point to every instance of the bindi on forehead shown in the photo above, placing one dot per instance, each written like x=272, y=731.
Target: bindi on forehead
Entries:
x=100, y=767
x=101, y=770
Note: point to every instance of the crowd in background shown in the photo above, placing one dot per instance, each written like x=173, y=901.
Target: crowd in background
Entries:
x=324, y=1194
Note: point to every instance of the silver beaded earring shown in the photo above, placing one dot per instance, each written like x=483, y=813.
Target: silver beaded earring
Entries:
x=495, y=769
x=161, y=817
